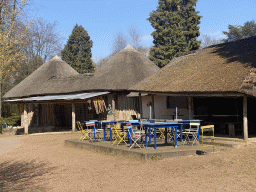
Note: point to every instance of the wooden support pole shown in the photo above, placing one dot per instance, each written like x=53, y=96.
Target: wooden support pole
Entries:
x=190, y=108
x=25, y=118
x=113, y=107
x=140, y=101
x=245, y=120
x=153, y=106
x=73, y=117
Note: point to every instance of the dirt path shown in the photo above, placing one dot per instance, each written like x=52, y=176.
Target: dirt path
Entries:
x=43, y=163
x=8, y=144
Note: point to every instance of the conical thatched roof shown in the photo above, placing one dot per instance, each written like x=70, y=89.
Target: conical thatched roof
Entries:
x=123, y=70
x=227, y=67
x=37, y=82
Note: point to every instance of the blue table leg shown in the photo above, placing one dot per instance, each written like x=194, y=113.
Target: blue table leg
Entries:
x=130, y=136
x=104, y=128
x=149, y=135
x=181, y=128
x=110, y=133
x=198, y=133
x=176, y=137
x=94, y=132
x=165, y=134
x=154, y=137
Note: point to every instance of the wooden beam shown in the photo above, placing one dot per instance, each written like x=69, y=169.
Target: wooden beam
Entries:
x=153, y=106
x=113, y=107
x=190, y=108
x=140, y=101
x=245, y=119
x=25, y=118
x=73, y=117
x=207, y=94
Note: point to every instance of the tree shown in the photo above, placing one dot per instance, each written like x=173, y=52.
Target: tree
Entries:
x=42, y=43
x=12, y=39
x=240, y=32
x=176, y=28
x=119, y=43
x=190, y=26
x=135, y=37
x=43, y=40
x=77, y=51
x=207, y=40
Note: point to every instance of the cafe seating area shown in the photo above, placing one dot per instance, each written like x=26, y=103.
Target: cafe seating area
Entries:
x=140, y=139
x=138, y=134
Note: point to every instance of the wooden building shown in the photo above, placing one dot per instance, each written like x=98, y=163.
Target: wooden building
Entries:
x=55, y=96
x=215, y=84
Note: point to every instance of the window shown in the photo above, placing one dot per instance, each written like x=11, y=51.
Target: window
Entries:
x=180, y=102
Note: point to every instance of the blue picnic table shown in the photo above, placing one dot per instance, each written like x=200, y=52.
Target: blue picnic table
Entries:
x=148, y=126
x=103, y=123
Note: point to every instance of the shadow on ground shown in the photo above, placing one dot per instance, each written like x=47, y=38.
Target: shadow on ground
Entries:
x=19, y=176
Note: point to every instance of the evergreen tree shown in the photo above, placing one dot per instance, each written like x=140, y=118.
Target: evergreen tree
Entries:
x=190, y=25
x=240, y=32
x=77, y=51
x=175, y=23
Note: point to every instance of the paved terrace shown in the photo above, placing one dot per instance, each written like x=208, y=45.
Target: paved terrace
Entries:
x=162, y=151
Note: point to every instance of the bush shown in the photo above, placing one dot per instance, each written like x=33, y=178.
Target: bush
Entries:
x=9, y=109
x=11, y=121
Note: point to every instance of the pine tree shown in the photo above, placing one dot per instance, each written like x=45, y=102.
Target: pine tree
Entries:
x=240, y=32
x=175, y=23
x=77, y=51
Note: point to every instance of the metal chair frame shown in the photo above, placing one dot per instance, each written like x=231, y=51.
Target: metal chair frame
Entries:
x=118, y=135
x=85, y=133
x=192, y=132
x=137, y=138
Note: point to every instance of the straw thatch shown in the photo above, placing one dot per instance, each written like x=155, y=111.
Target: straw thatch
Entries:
x=123, y=70
x=227, y=67
x=35, y=83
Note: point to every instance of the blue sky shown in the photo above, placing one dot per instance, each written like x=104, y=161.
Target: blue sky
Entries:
x=102, y=19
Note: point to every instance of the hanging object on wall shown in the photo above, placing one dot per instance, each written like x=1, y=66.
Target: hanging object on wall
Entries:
x=99, y=105
x=89, y=104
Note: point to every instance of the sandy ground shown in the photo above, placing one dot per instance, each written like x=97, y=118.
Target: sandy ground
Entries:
x=43, y=163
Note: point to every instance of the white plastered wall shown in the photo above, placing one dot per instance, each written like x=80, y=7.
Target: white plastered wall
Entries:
x=161, y=110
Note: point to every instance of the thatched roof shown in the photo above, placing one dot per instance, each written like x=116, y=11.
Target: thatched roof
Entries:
x=122, y=71
x=227, y=67
x=37, y=82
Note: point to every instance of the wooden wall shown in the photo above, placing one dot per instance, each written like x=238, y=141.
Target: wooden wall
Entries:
x=126, y=106
x=46, y=115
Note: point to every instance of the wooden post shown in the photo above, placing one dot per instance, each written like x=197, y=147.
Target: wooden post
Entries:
x=153, y=106
x=140, y=101
x=190, y=108
x=25, y=118
x=245, y=120
x=73, y=117
x=113, y=107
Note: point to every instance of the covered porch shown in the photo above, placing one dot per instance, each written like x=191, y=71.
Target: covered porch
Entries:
x=231, y=113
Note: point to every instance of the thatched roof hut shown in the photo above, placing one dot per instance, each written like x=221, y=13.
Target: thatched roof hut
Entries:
x=37, y=82
x=122, y=71
x=227, y=67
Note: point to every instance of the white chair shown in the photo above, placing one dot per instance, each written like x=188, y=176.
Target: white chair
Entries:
x=191, y=133
x=137, y=138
